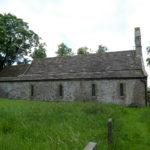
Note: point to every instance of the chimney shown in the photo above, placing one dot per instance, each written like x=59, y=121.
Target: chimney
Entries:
x=138, y=46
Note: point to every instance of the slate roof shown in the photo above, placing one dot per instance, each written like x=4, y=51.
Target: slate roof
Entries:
x=120, y=64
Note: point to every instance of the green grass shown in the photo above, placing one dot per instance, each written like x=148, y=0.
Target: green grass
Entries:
x=35, y=125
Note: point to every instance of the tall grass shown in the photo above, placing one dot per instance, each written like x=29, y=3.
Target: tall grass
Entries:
x=35, y=125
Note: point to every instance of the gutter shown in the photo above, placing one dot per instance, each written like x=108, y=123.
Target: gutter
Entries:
x=15, y=79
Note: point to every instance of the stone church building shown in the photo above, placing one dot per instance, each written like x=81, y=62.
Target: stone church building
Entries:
x=117, y=77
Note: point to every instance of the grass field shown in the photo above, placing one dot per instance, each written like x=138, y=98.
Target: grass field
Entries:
x=35, y=125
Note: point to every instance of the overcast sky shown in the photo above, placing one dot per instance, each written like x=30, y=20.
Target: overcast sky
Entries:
x=88, y=23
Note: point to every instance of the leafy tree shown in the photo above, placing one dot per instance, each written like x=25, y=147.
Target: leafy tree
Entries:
x=16, y=40
x=82, y=51
x=148, y=94
x=39, y=52
x=101, y=49
x=63, y=50
x=24, y=61
x=148, y=52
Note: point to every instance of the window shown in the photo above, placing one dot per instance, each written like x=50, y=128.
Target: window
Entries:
x=32, y=90
x=93, y=89
x=121, y=89
x=60, y=90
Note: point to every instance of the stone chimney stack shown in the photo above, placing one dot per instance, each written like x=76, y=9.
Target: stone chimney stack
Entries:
x=138, y=46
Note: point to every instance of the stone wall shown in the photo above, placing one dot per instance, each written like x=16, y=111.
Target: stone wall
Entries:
x=78, y=90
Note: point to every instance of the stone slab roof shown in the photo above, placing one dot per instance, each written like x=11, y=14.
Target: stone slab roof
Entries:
x=13, y=71
x=121, y=64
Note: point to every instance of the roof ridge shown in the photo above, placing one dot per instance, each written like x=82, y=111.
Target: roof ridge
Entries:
x=83, y=55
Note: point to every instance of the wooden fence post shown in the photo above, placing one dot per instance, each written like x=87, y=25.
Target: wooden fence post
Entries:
x=110, y=131
x=91, y=146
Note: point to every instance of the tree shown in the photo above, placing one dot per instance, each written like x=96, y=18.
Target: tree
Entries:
x=63, y=50
x=82, y=51
x=148, y=52
x=39, y=52
x=16, y=40
x=101, y=49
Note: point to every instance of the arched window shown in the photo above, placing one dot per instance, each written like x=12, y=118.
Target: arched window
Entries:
x=60, y=90
x=93, y=90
